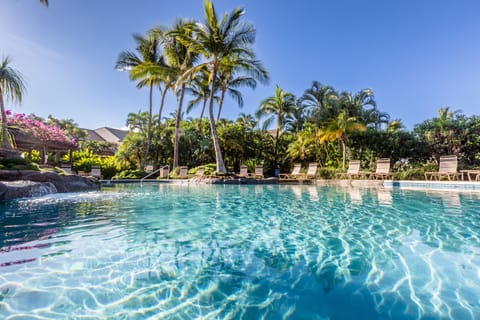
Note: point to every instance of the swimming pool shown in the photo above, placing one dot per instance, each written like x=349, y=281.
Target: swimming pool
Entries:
x=189, y=251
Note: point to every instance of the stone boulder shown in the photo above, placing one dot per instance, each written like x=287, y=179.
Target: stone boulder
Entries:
x=43, y=181
x=22, y=188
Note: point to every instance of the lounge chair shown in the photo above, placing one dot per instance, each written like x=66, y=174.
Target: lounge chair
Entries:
x=353, y=171
x=311, y=172
x=163, y=172
x=258, y=172
x=294, y=174
x=182, y=174
x=200, y=172
x=243, y=172
x=96, y=172
x=383, y=170
x=447, y=169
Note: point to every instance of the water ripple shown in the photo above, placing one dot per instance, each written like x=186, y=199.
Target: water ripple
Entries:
x=298, y=252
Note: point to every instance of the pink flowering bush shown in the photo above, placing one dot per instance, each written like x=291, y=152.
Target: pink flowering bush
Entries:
x=31, y=125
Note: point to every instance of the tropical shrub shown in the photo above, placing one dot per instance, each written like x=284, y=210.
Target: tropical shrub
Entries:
x=18, y=164
x=209, y=169
x=83, y=160
x=108, y=167
x=404, y=170
x=327, y=173
x=130, y=174
x=34, y=156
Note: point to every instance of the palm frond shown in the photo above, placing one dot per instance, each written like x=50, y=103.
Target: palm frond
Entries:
x=12, y=83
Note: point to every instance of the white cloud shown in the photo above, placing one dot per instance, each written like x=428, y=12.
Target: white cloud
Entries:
x=29, y=47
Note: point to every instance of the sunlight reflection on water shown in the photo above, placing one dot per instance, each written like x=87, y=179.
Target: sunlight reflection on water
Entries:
x=303, y=252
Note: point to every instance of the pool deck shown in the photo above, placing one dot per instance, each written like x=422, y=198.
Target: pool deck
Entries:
x=404, y=184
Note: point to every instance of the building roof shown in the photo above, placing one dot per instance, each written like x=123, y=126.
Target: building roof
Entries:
x=92, y=135
x=107, y=134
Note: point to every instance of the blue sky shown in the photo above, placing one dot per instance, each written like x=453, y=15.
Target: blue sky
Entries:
x=417, y=56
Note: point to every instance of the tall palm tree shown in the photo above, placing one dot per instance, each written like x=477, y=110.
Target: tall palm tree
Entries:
x=375, y=118
x=355, y=105
x=147, y=68
x=217, y=39
x=296, y=120
x=319, y=101
x=181, y=57
x=250, y=71
x=338, y=129
x=247, y=121
x=279, y=106
x=12, y=86
x=169, y=74
x=200, y=91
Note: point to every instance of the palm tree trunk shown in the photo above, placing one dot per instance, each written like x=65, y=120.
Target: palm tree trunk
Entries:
x=149, y=129
x=276, y=148
x=277, y=137
x=216, y=142
x=203, y=109
x=344, y=152
x=177, y=129
x=5, y=143
x=201, y=114
x=221, y=104
x=164, y=94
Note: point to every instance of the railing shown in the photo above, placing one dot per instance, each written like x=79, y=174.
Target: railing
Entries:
x=165, y=168
x=150, y=174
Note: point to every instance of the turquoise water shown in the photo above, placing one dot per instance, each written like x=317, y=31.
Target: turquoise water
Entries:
x=241, y=252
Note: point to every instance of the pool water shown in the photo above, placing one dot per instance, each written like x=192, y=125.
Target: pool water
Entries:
x=241, y=252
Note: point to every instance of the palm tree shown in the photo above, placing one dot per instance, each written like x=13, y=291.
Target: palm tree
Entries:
x=169, y=74
x=296, y=120
x=181, y=57
x=12, y=86
x=355, y=105
x=247, y=121
x=279, y=106
x=148, y=69
x=200, y=90
x=215, y=40
x=229, y=82
x=395, y=125
x=319, y=101
x=338, y=129
x=375, y=118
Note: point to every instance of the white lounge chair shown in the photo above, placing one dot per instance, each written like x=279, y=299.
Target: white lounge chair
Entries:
x=353, y=171
x=447, y=169
x=382, y=171
x=294, y=174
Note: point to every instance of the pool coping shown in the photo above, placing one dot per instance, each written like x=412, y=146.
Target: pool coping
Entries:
x=400, y=184
x=433, y=185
